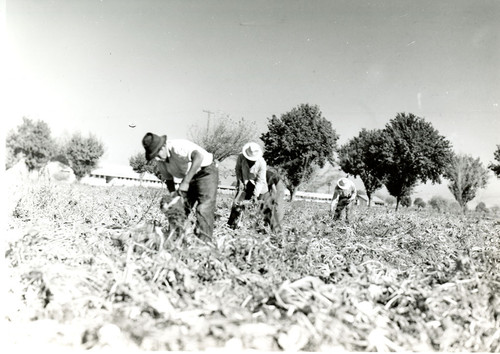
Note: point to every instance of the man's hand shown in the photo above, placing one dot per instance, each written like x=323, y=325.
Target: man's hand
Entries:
x=242, y=186
x=183, y=187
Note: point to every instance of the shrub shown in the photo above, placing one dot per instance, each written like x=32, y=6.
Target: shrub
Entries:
x=481, y=207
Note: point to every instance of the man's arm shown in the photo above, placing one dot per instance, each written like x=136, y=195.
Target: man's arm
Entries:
x=354, y=193
x=196, y=160
x=335, y=199
x=260, y=181
x=170, y=185
x=163, y=174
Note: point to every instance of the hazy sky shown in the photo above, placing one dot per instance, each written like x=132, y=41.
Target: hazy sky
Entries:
x=96, y=66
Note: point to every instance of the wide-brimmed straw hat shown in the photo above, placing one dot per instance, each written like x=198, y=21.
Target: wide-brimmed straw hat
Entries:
x=252, y=151
x=152, y=144
x=343, y=183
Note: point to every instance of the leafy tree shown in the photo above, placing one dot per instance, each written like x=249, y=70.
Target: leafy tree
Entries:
x=439, y=203
x=140, y=165
x=495, y=167
x=83, y=154
x=361, y=156
x=466, y=176
x=481, y=207
x=419, y=203
x=31, y=141
x=297, y=141
x=225, y=137
x=60, y=156
x=413, y=151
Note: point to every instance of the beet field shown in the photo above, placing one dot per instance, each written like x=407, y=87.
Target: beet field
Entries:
x=96, y=267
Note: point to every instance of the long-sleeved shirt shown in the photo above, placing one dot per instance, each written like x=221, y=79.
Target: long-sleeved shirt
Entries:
x=255, y=173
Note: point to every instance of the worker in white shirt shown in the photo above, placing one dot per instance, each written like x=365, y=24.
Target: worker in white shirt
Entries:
x=196, y=169
x=344, y=196
x=251, y=181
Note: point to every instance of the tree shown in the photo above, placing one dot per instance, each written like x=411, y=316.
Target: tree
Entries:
x=140, y=165
x=297, y=141
x=466, y=176
x=83, y=154
x=225, y=137
x=31, y=141
x=495, y=167
x=361, y=156
x=438, y=203
x=413, y=151
x=419, y=203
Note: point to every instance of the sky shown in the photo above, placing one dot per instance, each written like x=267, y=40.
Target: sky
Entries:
x=97, y=66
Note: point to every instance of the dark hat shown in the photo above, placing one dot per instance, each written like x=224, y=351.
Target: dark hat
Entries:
x=152, y=144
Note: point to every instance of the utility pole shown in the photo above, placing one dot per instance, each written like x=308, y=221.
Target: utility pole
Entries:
x=208, y=120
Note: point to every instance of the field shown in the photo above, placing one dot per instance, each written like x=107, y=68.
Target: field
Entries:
x=84, y=272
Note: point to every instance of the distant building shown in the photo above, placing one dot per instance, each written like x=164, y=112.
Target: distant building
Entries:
x=363, y=200
x=120, y=176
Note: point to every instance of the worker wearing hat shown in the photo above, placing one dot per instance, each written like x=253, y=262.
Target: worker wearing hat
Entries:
x=344, y=196
x=197, y=171
x=250, y=179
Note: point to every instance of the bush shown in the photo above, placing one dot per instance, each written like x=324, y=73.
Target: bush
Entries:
x=438, y=203
x=419, y=203
x=481, y=207
x=406, y=201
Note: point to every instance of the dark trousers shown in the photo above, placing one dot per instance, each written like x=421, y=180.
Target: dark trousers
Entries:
x=203, y=190
x=238, y=206
x=342, y=204
x=271, y=210
x=271, y=206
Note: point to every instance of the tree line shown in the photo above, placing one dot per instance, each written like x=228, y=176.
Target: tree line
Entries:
x=33, y=142
x=406, y=152
x=409, y=151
